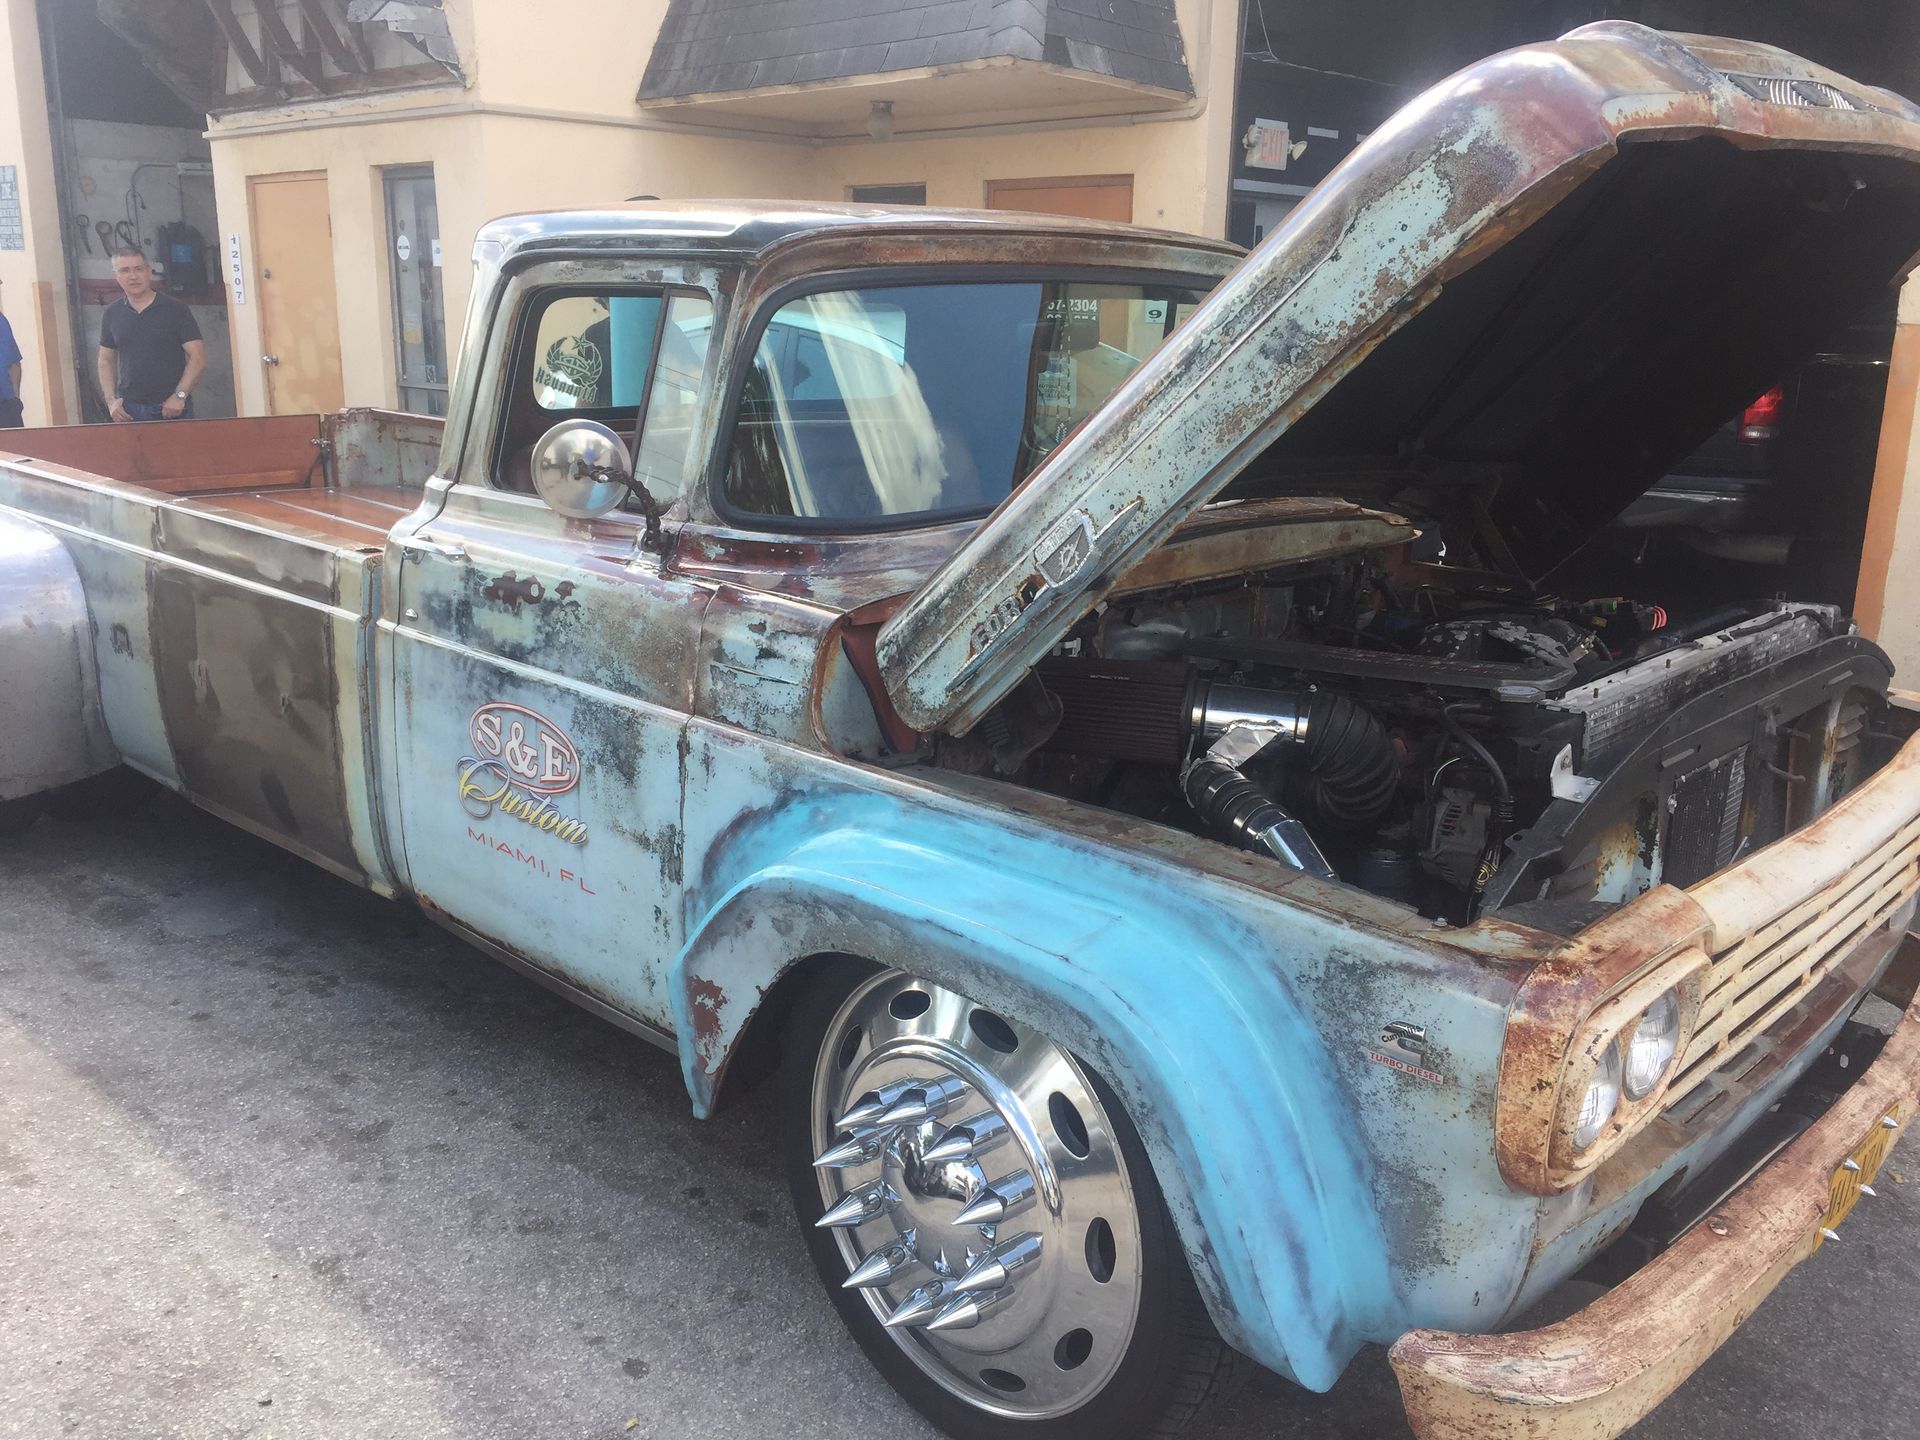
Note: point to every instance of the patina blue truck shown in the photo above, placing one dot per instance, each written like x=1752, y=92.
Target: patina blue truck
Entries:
x=1082, y=707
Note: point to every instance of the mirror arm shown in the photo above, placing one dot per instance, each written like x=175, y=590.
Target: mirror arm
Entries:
x=651, y=538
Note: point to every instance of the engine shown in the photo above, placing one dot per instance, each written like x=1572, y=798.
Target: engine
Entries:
x=1463, y=751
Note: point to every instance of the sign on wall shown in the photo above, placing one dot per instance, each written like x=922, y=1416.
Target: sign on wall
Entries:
x=13, y=233
x=236, y=272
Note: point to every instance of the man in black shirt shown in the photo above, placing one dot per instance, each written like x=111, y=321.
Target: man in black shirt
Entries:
x=151, y=355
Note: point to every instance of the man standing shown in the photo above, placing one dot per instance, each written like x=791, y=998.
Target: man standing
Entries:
x=10, y=408
x=151, y=355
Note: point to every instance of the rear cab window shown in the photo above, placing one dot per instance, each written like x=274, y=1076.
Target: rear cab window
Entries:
x=632, y=360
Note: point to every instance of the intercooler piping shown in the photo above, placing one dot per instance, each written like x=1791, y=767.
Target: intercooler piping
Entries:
x=1344, y=774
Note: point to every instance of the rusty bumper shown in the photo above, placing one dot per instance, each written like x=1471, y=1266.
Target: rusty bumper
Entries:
x=1592, y=1376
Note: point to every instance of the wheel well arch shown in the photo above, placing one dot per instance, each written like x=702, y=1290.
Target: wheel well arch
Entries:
x=758, y=1054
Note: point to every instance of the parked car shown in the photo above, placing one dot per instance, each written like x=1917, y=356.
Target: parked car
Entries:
x=1202, y=903
x=1776, y=500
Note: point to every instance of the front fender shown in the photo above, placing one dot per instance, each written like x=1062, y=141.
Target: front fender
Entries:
x=1182, y=1008
x=51, y=729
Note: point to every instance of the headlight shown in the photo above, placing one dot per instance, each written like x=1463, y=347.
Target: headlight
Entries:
x=1655, y=1041
x=1600, y=1101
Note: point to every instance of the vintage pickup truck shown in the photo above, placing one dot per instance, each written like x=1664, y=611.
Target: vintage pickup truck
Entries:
x=1081, y=707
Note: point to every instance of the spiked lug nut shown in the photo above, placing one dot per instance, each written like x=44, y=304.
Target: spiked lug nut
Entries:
x=925, y=1102
x=966, y=1311
x=856, y=1149
x=875, y=1103
x=1826, y=1234
x=878, y=1268
x=1870, y=1192
x=1887, y=1122
x=919, y=1307
x=1001, y=1200
x=995, y=1269
x=975, y=1135
x=859, y=1205
x=1852, y=1167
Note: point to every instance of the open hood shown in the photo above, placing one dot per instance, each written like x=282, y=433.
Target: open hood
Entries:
x=1513, y=309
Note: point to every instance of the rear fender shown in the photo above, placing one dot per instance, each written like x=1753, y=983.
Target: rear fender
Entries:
x=1182, y=1009
x=51, y=728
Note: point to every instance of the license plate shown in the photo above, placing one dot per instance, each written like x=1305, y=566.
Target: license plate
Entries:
x=1859, y=1169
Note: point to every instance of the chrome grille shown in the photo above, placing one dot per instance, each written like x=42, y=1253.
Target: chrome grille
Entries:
x=1755, y=983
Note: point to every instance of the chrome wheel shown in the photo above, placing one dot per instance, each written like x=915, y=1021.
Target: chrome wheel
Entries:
x=976, y=1191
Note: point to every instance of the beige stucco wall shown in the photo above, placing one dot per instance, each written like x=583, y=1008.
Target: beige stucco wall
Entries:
x=1180, y=165
x=26, y=143
x=538, y=124
x=1887, y=603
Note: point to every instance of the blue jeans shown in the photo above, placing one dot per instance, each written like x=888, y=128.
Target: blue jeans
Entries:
x=141, y=410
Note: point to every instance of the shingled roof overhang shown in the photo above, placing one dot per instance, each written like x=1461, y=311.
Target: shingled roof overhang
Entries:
x=815, y=66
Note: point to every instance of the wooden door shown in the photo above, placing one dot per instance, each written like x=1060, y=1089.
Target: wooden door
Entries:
x=1091, y=197
x=293, y=277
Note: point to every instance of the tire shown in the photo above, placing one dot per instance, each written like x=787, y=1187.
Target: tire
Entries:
x=1094, y=1327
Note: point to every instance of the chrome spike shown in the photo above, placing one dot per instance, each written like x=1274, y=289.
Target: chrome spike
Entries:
x=1870, y=1192
x=919, y=1307
x=872, y=1105
x=859, y=1205
x=1889, y=1123
x=966, y=1311
x=857, y=1149
x=878, y=1268
x=925, y=1102
x=1826, y=1234
x=997, y=1267
x=1001, y=1200
x=973, y=1136
x=1852, y=1167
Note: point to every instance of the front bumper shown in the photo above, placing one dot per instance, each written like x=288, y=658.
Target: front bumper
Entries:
x=1592, y=1376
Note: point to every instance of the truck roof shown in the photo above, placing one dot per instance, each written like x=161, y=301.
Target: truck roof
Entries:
x=754, y=227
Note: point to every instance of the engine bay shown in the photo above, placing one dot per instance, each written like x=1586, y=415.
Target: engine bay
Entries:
x=1461, y=747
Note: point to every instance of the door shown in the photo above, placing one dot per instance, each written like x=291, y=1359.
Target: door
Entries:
x=419, y=314
x=1091, y=197
x=299, y=322
x=542, y=666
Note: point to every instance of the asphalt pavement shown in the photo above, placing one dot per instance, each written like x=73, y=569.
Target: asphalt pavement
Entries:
x=280, y=1159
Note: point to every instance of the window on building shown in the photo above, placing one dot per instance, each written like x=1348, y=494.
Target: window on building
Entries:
x=419, y=310
x=634, y=361
x=888, y=194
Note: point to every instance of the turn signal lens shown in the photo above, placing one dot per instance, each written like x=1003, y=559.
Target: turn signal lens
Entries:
x=1655, y=1041
x=1600, y=1101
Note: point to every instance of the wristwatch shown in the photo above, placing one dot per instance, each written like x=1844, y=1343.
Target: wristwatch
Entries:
x=180, y=395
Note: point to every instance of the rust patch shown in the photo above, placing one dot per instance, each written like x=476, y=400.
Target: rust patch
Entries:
x=510, y=591
x=121, y=641
x=708, y=998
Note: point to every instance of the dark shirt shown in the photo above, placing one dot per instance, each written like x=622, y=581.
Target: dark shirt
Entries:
x=9, y=356
x=149, y=343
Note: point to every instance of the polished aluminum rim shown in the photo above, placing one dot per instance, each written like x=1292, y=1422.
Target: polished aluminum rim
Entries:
x=976, y=1191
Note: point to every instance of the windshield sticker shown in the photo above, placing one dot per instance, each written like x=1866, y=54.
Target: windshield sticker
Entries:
x=520, y=761
x=569, y=374
x=1059, y=384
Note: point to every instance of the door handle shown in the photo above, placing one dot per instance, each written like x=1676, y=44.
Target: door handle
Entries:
x=269, y=359
x=417, y=547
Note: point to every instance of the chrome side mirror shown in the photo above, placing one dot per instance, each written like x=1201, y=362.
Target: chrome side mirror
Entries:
x=569, y=465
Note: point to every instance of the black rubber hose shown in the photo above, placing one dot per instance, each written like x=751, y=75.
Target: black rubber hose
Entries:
x=1345, y=774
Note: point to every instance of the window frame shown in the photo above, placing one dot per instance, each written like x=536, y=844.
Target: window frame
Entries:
x=532, y=310
x=893, y=277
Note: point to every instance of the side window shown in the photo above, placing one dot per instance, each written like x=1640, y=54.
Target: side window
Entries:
x=632, y=361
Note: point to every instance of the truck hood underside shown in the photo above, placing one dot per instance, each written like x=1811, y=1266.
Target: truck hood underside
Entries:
x=1512, y=310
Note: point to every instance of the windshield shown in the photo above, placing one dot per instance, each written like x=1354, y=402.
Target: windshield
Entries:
x=914, y=400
